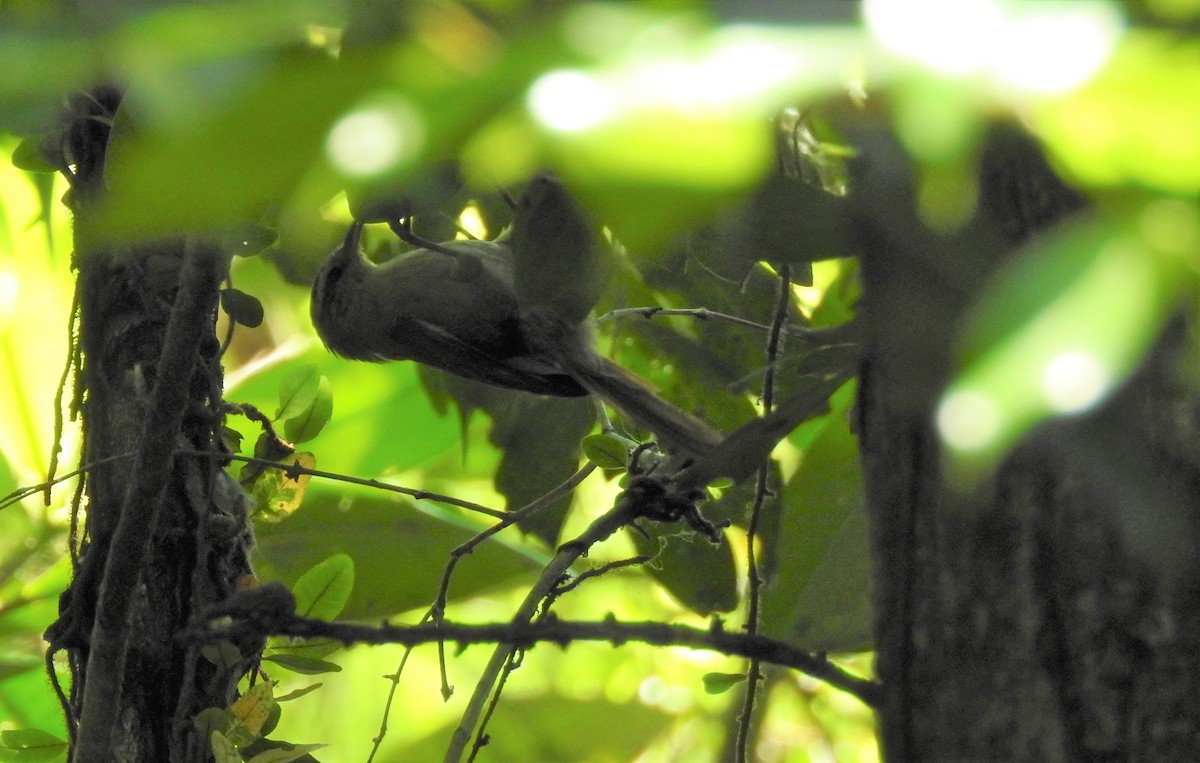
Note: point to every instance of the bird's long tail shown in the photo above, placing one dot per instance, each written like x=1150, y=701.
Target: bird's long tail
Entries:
x=570, y=348
x=677, y=430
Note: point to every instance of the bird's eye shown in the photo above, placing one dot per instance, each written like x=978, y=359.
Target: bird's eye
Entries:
x=333, y=275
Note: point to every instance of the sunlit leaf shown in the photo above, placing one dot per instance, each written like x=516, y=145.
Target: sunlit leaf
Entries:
x=277, y=493
x=309, y=422
x=297, y=391
x=1135, y=123
x=304, y=665
x=323, y=591
x=30, y=746
x=224, y=751
x=379, y=532
x=719, y=683
x=254, y=706
x=298, y=693
x=279, y=104
x=607, y=451
x=378, y=407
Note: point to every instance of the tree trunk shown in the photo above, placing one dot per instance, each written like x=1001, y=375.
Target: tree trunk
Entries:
x=165, y=535
x=1051, y=614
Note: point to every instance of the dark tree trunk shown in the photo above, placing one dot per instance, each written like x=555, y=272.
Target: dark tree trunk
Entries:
x=1050, y=615
x=165, y=534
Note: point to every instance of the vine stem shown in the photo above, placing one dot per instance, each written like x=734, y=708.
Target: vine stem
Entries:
x=604, y=526
x=774, y=338
x=149, y=480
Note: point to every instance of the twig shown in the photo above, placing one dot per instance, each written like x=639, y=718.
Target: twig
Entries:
x=22, y=493
x=405, y=233
x=703, y=314
x=438, y=610
x=295, y=470
x=603, y=569
x=604, y=526
x=782, y=304
x=377, y=741
x=523, y=635
x=60, y=392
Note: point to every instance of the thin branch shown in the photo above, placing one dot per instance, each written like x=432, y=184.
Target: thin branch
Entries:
x=604, y=526
x=404, y=232
x=822, y=335
x=377, y=740
x=782, y=307
x=524, y=635
x=604, y=569
x=22, y=493
x=438, y=610
x=60, y=392
x=295, y=470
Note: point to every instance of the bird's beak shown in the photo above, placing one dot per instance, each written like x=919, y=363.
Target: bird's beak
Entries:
x=350, y=245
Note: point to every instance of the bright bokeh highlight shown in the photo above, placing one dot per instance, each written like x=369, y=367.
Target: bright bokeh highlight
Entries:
x=376, y=138
x=968, y=420
x=1044, y=47
x=567, y=100
x=1073, y=381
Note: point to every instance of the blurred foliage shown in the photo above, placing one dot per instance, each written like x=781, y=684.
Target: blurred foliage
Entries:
x=273, y=120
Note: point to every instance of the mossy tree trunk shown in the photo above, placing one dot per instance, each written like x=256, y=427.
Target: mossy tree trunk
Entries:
x=1050, y=614
x=165, y=533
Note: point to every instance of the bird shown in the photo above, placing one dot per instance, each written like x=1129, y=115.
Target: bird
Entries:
x=458, y=306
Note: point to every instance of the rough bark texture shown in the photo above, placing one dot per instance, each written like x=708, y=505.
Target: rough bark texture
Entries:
x=163, y=537
x=1051, y=615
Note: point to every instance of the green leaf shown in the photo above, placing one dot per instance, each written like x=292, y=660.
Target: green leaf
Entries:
x=224, y=750
x=298, y=693
x=242, y=307
x=276, y=494
x=699, y=574
x=819, y=596
x=285, y=754
x=1099, y=130
x=540, y=439
x=307, y=424
x=323, y=591
x=311, y=648
x=298, y=391
x=375, y=404
x=719, y=683
x=304, y=665
x=385, y=535
x=280, y=103
x=250, y=240
x=212, y=719
x=607, y=451
x=29, y=156
x=30, y=746
x=221, y=653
